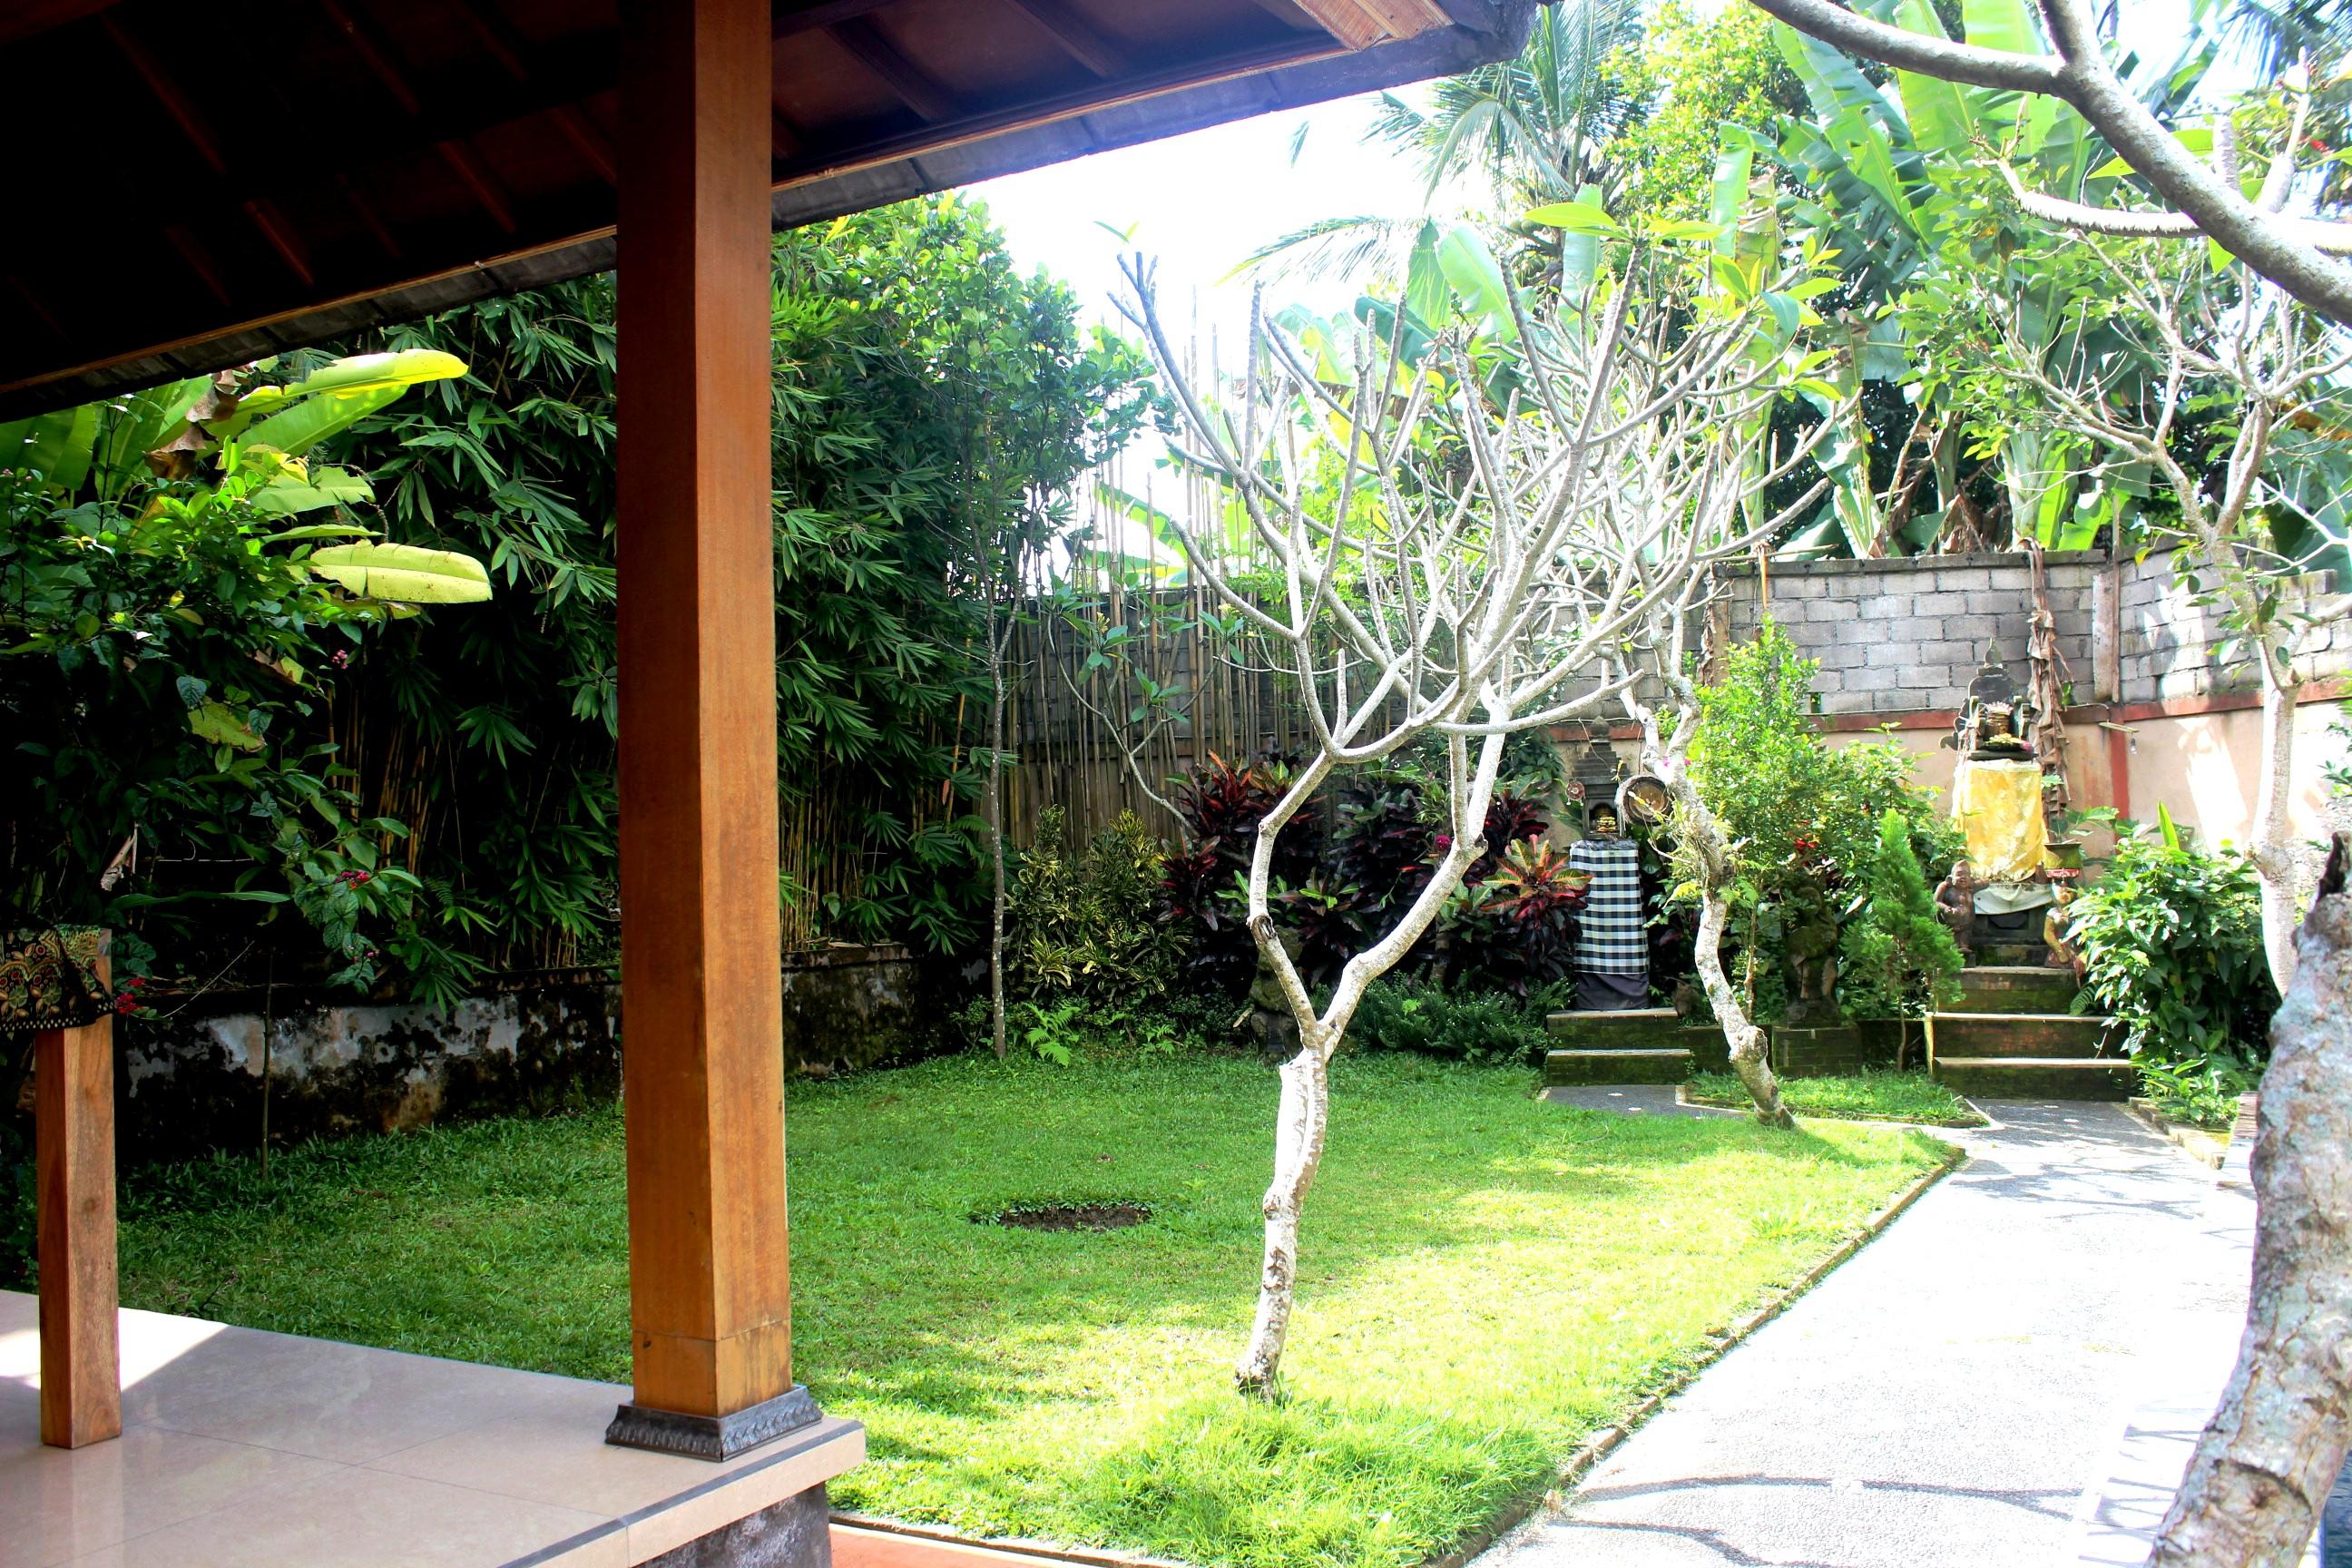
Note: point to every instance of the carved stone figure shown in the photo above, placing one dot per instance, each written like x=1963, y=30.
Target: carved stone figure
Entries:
x=1809, y=949
x=1996, y=723
x=1956, y=902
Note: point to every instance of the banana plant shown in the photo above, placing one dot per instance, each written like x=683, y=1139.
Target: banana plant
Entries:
x=256, y=438
x=1876, y=167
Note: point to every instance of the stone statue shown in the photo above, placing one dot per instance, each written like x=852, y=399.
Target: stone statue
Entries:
x=1809, y=954
x=1268, y=1020
x=1955, y=902
x=1995, y=721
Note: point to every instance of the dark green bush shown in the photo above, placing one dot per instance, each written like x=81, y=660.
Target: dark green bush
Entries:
x=1405, y=1014
x=2171, y=941
x=1088, y=925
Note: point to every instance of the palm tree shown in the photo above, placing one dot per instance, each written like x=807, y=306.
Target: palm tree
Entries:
x=1531, y=130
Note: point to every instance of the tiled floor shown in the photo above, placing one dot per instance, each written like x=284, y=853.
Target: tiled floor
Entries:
x=243, y=1449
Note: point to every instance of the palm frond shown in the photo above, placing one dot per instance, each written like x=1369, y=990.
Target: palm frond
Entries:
x=1365, y=246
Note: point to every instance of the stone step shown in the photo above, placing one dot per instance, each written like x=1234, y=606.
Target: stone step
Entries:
x=1633, y=1027
x=1567, y=1069
x=2047, y=1036
x=1990, y=955
x=2014, y=988
x=2038, y=1077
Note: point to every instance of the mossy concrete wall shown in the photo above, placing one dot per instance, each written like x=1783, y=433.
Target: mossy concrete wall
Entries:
x=191, y=1074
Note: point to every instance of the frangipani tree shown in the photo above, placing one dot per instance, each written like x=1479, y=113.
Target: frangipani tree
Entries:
x=1493, y=581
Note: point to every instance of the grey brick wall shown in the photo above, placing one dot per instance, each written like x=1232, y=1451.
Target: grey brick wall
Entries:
x=1896, y=636
x=2168, y=641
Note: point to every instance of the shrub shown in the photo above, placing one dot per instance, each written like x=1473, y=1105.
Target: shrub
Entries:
x=1899, y=956
x=1089, y=925
x=1806, y=817
x=1515, y=932
x=1405, y=1014
x=2171, y=942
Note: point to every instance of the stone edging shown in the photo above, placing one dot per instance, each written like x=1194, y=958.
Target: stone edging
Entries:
x=1682, y=1098
x=2208, y=1148
x=1597, y=1446
x=1589, y=1453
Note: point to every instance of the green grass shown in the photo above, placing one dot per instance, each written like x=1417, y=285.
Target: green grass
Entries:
x=1486, y=1279
x=1850, y=1096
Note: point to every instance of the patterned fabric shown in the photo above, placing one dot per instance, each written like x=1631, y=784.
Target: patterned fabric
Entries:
x=1613, y=936
x=49, y=978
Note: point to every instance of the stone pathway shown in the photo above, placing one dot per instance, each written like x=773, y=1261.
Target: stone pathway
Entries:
x=1957, y=1394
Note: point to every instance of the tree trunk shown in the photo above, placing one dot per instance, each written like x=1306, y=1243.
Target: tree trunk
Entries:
x=995, y=812
x=2263, y=1469
x=2278, y=859
x=1703, y=835
x=1750, y=1057
x=1298, y=1152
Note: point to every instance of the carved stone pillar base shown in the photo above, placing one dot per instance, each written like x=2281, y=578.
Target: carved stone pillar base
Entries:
x=794, y=1534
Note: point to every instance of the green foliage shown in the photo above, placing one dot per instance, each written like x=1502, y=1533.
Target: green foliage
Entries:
x=1692, y=74
x=1088, y=925
x=2171, y=942
x=1402, y=1014
x=2199, y=1090
x=1899, y=950
x=924, y=392
x=1806, y=818
x=169, y=647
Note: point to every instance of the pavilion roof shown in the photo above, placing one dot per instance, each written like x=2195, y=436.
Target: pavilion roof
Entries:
x=200, y=187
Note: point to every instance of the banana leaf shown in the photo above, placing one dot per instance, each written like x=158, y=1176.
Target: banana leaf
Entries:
x=404, y=573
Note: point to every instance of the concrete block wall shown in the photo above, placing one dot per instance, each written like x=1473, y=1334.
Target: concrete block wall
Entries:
x=1900, y=636
x=2168, y=640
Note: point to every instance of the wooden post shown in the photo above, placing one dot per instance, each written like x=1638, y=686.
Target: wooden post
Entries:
x=702, y=1000
x=73, y=1122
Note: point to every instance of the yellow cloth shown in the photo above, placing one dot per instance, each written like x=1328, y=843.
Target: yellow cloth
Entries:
x=1998, y=807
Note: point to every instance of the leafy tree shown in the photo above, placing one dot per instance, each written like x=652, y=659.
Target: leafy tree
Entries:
x=171, y=634
x=1804, y=818
x=931, y=408
x=1691, y=74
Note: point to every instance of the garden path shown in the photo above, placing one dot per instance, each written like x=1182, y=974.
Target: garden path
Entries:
x=1955, y=1394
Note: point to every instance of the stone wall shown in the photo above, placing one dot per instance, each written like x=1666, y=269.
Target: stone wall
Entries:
x=1899, y=637
x=191, y=1074
x=1905, y=637
x=2167, y=641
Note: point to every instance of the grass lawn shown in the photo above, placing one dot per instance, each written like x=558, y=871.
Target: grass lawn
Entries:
x=1485, y=1280
x=1850, y=1096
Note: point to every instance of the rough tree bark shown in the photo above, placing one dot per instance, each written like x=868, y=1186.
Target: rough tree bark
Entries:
x=1704, y=843
x=2261, y=1472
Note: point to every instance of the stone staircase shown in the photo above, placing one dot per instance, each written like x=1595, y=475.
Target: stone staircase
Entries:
x=1640, y=1045
x=2010, y=1036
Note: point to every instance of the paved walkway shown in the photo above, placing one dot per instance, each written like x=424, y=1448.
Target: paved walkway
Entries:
x=1957, y=1394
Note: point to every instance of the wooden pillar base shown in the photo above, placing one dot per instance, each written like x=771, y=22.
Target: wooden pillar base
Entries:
x=713, y=1436
x=73, y=1119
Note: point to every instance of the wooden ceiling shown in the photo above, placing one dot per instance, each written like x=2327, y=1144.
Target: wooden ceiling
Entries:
x=198, y=187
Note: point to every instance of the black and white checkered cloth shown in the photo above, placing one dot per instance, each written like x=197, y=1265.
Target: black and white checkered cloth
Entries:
x=1611, y=934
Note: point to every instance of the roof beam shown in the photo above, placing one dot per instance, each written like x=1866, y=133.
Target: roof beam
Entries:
x=877, y=54
x=1360, y=24
x=508, y=47
x=1077, y=36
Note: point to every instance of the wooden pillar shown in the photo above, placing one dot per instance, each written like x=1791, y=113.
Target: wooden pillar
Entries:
x=73, y=1132
x=701, y=993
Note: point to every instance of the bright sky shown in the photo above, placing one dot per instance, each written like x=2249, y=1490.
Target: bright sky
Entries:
x=1199, y=203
